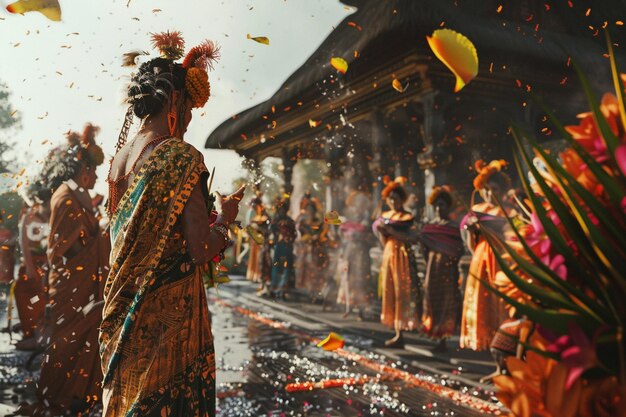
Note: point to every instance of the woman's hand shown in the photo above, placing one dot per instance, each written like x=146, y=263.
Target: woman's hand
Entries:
x=230, y=205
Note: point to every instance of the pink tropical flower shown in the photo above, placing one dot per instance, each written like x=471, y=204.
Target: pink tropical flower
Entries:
x=541, y=245
x=620, y=157
x=577, y=352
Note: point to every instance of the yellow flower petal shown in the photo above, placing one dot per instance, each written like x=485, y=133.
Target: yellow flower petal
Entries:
x=314, y=123
x=49, y=8
x=332, y=217
x=339, y=64
x=332, y=342
x=457, y=53
x=260, y=39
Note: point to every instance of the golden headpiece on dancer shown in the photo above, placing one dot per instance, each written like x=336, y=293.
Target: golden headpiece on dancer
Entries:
x=485, y=171
x=440, y=191
x=390, y=185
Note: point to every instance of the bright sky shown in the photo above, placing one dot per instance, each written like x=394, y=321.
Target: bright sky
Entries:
x=64, y=74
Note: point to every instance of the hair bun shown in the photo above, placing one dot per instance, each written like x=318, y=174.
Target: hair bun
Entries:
x=143, y=100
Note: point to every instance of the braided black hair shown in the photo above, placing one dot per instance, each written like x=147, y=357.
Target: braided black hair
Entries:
x=400, y=192
x=152, y=85
x=149, y=91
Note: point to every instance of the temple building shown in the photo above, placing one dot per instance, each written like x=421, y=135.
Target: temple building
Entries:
x=364, y=129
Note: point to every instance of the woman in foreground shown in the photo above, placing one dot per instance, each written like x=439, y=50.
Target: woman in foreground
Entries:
x=155, y=339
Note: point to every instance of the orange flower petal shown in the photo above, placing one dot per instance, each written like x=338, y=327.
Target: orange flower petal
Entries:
x=332, y=342
x=397, y=85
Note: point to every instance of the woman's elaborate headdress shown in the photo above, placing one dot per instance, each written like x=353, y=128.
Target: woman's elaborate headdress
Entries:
x=196, y=64
x=390, y=185
x=87, y=141
x=65, y=160
x=485, y=171
x=443, y=191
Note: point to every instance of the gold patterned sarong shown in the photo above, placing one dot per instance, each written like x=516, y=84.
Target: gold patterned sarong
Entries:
x=155, y=339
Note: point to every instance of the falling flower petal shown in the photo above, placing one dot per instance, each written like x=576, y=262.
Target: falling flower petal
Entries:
x=314, y=123
x=48, y=8
x=339, y=64
x=457, y=53
x=332, y=342
x=397, y=85
x=260, y=39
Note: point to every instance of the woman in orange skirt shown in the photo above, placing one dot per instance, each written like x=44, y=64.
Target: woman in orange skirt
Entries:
x=259, y=262
x=398, y=283
x=483, y=311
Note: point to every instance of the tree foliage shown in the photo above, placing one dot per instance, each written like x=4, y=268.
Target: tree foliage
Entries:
x=8, y=120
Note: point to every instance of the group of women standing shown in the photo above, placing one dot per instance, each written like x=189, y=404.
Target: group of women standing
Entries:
x=433, y=307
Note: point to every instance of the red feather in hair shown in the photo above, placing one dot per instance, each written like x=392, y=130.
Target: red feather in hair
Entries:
x=89, y=134
x=202, y=56
x=170, y=44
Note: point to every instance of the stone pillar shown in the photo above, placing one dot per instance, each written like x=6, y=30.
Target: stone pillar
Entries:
x=289, y=158
x=335, y=165
x=380, y=164
x=435, y=159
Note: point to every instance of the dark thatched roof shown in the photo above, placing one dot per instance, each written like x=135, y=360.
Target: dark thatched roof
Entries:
x=511, y=33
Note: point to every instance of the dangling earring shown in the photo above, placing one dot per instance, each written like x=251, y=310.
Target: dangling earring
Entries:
x=172, y=120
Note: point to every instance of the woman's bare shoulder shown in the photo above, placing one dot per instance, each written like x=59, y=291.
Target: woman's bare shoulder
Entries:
x=118, y=164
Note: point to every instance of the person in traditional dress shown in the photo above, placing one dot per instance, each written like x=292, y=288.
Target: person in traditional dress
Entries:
x=32, y=280
x=443, y=247
x=7, y=253
x=398, y=281
x=155, y=340
x=312, y=255
x=78, y=252
x=483, y=311
x=353, y=267
x=259, y=260
x=282, y=236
